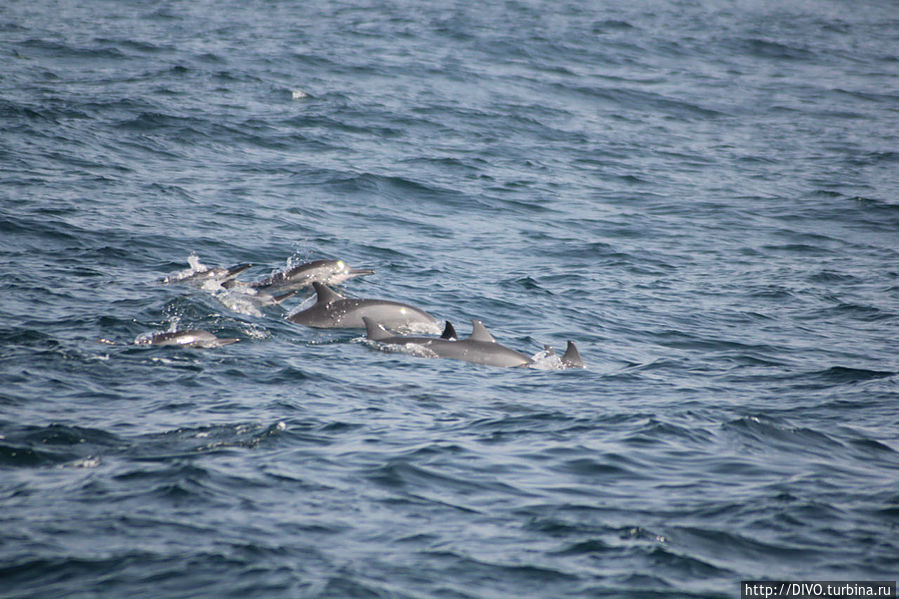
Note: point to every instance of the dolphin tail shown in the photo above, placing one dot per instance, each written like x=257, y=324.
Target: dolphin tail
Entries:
x=373, y=330
x=235, y=270
x=449, y=332
x=277, y=299
x=356, y=272
x=572, y=357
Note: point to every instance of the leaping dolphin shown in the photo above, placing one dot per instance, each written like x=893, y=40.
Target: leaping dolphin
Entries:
x=332, y=310
x=480, y=347
x=187, y=338
x=330, y=272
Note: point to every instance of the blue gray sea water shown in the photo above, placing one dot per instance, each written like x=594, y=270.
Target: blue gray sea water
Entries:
x=703, y=195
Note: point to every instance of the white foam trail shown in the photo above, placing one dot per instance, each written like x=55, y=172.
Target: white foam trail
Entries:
x=237, y=302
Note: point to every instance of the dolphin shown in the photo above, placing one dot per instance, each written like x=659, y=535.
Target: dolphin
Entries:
x=331, y=272
x=570, y=359
x=187, y=338
x=220, y=274
x=334, y=311
x=480, y=347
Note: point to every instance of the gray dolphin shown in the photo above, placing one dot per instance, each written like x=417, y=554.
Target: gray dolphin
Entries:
x=480, y=347
x=187, y=338
x=331, y=272
x=220, y=274
x=332, y=311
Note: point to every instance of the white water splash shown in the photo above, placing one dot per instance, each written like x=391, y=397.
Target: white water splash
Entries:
x=237, y=301
x=419, y=328
x=196, y=267
x=88, y=462
x=547, y=360
x=411, y=349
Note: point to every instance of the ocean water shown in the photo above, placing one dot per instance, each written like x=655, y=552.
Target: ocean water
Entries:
x=703, y=195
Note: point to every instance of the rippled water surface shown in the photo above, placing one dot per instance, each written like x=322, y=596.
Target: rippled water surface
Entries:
x=701, y=195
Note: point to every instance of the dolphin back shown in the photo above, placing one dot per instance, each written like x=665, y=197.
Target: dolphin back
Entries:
x=334, y=311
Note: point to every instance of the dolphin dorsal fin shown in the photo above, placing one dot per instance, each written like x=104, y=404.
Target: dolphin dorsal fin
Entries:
x=449, y=332
x=325, y=294
x=373, y=330
x=572, y=357
x=480, y=333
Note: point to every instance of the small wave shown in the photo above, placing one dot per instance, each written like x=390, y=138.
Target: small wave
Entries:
x=18, y=456
x=607, y=25
x=864, y=313
x=63, y=50
x=764, y=48
x=872, y=446
x=183, y=442
x=801, y=249
x=666, y=560
x=655, y=432
x=843, y=374
x=829, y=276
x=55, y=444
x=401, y=474
x=589, y=547
x=136, y=45
x=637, y=99
x=611, y=467
x=765, y=435
x=396, y=187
